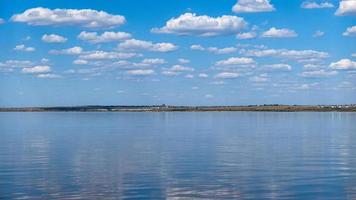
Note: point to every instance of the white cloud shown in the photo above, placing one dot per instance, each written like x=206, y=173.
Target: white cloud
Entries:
x=53, y=38
x=49, y=76
x=227, y=75
x=147, y=62
x=260, y=78
x=203, y=75
x=16, y=63
x=350, y=31
x=22, y=47
x=180, y=68
x=87, y=18
x=307, y=86
x=225, y=50
x=311, y=66
x=218, y=82
x=197, y=47
x=203, y=25
x=36, y=69
x=183, y=61
x=134, y=44
x=153, y=61
x=209, y=96
x=80, y=62
x=27, y=38
x=44, y=60
x=104, y=55
x=169, y=73
x=318, y=73
x=141, y=72
x=318, y=33
x=235, y=61
x=353, y=55
x=189, y=76
x=2, y=21
x=93, y=37
x=279, y=33
x=346, y=7
x=214, y=50
x=278, y=67
x=176, y=70
x=70, y=51
x=250, y=6
x=246, y=35
x=314, y=5
x=343, y=64
x=285, y=53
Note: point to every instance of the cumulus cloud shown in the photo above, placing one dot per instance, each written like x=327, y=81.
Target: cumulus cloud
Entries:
x=189, y=76
x=176, y=70
x=225, y=50
x=104, y=55
x=183, y=61
x=141, y=72
x=134, y=44
x=36, y=69
x=180, y=68
x=169, y=73
x=16, y=63
x=227, y=75
x=203, y=25
x=246, y=35
x=80, y=62
x=214, y=50
x=260, y=78
x=318, y=73
x=343, y=64
x=311, y=66
x=93, y=37
x=147, y=62
x=306, y=86
x=87, y=18
x=251, y=6
x=279, y=33
x=277, y=67
x=346, y=7
x=203, y=75
x=315, y=5
x=22, y=47
x=197, y=47
x=299, y=55
x=233, y=61
x=49, y=76
x=53, y=38
x=350, y=31
x=70, y=51
x=318, y=33
x=209, y=96
x=153, y=61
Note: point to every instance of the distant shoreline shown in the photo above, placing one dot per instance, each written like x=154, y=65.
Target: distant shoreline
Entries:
x=165, y=108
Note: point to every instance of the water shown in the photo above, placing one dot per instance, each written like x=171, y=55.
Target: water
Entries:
x=211, y=155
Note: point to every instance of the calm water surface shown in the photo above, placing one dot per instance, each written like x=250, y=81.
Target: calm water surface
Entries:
x=210, y=155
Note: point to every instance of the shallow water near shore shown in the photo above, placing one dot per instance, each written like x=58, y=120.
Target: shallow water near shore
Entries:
x=208, y=155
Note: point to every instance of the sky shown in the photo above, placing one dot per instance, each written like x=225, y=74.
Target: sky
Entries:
x=182, y=52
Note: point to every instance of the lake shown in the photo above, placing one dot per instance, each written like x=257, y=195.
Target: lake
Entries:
x=178, y=155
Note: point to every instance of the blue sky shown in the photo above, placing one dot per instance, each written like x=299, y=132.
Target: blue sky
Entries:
x=177, y=52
